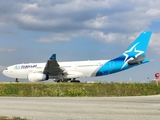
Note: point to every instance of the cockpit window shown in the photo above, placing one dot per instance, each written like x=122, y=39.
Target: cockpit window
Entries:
x=6, y=68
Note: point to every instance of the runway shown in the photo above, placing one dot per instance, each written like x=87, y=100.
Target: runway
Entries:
x=82, y=108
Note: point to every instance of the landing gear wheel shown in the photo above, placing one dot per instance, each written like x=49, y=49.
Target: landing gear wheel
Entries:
x=74, y=80
x=16, y=80
x=77, y=81
x=58, y=81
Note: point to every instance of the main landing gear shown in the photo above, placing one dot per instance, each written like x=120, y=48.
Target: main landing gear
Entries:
x=67, y=80
x=16, y=80
x=74, y=80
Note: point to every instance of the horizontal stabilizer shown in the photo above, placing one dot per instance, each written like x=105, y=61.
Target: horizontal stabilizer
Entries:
x=136, y=60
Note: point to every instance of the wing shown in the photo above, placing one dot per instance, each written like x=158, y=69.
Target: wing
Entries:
x=52, y=67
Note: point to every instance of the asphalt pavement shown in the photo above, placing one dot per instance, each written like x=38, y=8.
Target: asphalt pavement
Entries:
x=82, y=108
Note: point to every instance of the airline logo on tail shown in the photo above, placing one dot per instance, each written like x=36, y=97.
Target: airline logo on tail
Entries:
x=136, y=51
x=131, y=54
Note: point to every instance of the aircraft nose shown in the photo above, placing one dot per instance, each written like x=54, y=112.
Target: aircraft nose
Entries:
x=4, y=72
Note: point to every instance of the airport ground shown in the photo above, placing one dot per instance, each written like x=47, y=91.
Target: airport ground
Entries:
x=82, y=108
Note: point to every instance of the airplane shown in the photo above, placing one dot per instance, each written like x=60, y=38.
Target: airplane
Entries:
x=70, y=71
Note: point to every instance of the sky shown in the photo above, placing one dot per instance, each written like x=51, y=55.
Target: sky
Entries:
x=32, y=30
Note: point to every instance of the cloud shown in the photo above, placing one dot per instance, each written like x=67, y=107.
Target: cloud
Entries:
x=153, y=12
x=155, y=39
x=6, y=32
x=102, y=20
x=155, y=42
x=110, y=37
x=6, y=50
x=54, y=38
x=70, y=15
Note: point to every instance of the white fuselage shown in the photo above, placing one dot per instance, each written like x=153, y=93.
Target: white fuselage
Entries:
x=87, y=68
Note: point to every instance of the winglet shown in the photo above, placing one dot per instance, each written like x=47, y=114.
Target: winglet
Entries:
x=53, y=57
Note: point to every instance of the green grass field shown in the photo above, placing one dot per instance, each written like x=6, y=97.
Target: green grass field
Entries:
x=77, y=89
x=14, y=118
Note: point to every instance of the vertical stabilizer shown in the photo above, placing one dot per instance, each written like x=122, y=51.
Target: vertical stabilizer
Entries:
x=137, y=50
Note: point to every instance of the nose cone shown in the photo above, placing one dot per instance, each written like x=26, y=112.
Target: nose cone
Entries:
x=4, y=72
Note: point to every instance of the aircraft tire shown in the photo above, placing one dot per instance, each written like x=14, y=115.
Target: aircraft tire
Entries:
x=75, y=81
x=16, y=80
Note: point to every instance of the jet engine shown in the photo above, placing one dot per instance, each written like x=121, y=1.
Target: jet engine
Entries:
x=37, y=77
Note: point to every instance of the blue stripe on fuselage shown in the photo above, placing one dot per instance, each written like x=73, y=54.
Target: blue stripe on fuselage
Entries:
x=115, y=65
x=110, y=67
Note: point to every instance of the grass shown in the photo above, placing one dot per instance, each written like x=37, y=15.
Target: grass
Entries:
x=14, y=118
x=78, y=89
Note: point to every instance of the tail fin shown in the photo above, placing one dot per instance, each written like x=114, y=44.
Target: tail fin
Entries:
x=133, y=56
x=137, y=50
x=140, y=44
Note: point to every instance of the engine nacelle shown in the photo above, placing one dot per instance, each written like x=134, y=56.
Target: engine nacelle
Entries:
x=37, y=77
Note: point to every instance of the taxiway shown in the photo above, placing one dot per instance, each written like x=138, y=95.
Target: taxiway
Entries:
x=82, y=108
